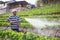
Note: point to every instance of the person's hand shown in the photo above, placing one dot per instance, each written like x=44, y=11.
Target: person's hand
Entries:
x=11, y=22
x=8, y=24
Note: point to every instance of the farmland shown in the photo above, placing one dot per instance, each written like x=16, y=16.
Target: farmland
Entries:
x=53, y=10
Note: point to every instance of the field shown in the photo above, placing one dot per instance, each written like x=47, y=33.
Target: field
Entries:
x=52, y=10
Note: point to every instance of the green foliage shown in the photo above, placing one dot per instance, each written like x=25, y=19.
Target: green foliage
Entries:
x=11, y=35
x=21, y=36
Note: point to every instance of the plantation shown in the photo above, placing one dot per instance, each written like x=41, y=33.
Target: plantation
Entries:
x=47, y=9
x=53, y=10
x=9, y=34
x=36, y=12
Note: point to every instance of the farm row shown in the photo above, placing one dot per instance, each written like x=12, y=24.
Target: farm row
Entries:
x=11, y=35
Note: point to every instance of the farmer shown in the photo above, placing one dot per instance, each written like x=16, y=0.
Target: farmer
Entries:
x=14, y=21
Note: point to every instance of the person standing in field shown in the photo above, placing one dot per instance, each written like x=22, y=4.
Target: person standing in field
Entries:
x=14, y=21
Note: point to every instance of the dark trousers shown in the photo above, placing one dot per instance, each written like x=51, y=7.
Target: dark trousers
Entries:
x=17, y=30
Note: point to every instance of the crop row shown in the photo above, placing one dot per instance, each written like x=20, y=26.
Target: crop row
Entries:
x=9, y=34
